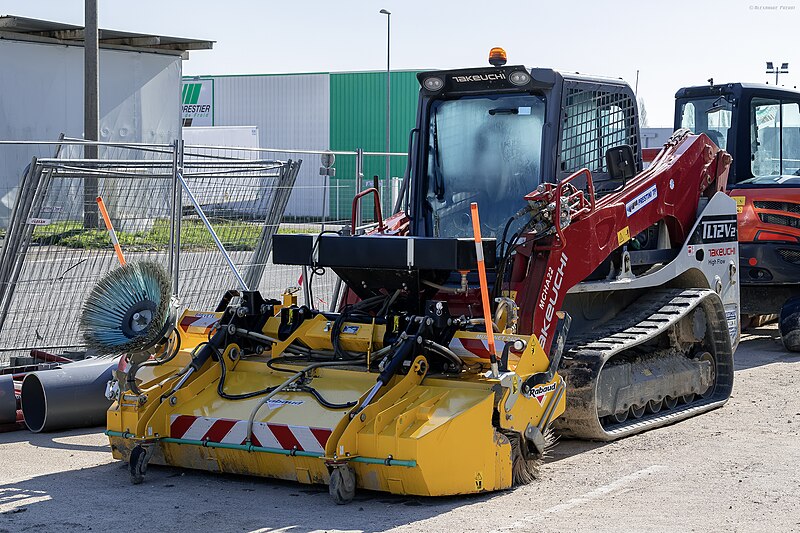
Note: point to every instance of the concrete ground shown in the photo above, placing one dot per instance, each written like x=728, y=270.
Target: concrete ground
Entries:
x=734, y=469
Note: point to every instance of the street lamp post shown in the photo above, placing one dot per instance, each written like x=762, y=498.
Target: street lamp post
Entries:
x=771, y=69
x=388, y=91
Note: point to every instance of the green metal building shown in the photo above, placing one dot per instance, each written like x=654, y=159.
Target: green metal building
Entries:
x=315, y=111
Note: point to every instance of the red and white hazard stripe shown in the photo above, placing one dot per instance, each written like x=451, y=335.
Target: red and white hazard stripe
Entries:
x=265, y=434
x=464, y=347
x=199, y=322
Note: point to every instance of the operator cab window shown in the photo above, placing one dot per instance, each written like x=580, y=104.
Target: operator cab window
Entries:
x=595, y=120
x=484, y=149
x=710, y=115
x=774, y=139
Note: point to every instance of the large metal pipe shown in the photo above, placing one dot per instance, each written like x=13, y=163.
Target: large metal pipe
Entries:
x=8, y=400
x=72, y=396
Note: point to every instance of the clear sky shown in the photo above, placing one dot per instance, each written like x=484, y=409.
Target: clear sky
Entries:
x=672, y=43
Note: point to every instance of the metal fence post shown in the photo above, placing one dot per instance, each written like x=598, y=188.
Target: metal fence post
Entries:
x=338, y=206
x=176, y=213
x=325, y=184
x=359, y=185
x=178, y=201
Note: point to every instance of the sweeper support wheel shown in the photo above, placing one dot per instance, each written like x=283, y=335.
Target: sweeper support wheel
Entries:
x=137, y=464
x=342, y=487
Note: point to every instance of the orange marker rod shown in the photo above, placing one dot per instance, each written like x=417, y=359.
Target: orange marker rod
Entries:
x=487, y=311
x=111, y=231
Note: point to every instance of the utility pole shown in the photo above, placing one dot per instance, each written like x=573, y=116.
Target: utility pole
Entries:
x=91, y=108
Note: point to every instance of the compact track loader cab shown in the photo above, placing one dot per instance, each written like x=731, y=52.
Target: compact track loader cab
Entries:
x=602, y=301
x=759, y=125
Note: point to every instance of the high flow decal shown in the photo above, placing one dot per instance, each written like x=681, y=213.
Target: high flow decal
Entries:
x=714, y=229
x=642, y=200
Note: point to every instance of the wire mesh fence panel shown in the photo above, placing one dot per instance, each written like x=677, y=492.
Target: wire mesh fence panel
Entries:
x=309, y=206
x=54, y=252
x=60, y=259
x=243, y=195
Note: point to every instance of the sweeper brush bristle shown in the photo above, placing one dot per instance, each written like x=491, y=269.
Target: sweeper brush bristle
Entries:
x=526, y=465
x=128, y=308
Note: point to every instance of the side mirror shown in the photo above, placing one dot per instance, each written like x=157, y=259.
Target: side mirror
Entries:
x=621, y=163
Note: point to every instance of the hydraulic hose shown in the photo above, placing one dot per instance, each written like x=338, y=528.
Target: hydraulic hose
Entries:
x=221, y=384
x=323, y=402
x=447, y=353
x=282, y=386
x=131, y=379
x=403, y=349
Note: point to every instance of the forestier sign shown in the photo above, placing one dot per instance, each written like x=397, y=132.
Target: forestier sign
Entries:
x=197, y=102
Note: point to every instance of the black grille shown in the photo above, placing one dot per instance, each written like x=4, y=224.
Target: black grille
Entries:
x=778, y=206
x=790, y=256
x=781, y=220
x=593, y=122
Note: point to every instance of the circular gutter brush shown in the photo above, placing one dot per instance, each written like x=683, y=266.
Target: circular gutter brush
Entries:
x=128, y=309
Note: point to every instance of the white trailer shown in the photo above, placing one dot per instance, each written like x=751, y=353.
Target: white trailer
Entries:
x=41, y=90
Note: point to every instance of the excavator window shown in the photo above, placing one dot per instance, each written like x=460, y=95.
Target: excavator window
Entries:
x=775, y=138
x=485, y=149
x=710, y=115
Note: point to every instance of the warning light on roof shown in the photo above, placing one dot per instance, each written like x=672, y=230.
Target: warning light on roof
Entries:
x=497, y=57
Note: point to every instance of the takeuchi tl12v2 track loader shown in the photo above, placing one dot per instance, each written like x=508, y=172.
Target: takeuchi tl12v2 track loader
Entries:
x=613, y=307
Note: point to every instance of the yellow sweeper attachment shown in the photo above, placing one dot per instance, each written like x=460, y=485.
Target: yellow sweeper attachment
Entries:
x=371, y=397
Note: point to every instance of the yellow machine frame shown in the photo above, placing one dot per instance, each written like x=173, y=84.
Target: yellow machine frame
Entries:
x=422, y=435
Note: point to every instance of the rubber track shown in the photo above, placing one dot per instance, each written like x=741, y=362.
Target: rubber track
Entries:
x=648, y=317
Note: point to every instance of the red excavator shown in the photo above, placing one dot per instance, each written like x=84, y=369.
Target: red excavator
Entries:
x=759, y=125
